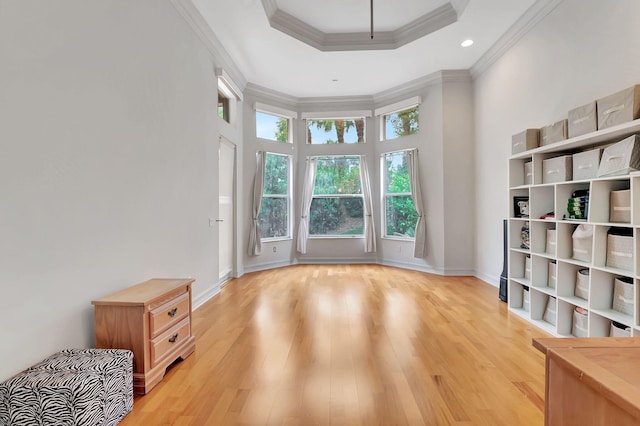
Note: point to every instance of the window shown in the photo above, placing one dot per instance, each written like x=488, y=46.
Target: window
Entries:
x=400, y=216
x=401, y=123
x=337, y=204
x=339, y=130
x=272, y=127
x=223, y=107
x=274, y=211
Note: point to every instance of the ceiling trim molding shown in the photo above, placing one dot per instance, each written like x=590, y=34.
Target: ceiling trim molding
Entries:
x=190, y=13
x=262, y=92
x=327, y=42
x=519, y=29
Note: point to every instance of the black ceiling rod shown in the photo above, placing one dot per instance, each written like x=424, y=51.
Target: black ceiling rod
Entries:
x=371, y=19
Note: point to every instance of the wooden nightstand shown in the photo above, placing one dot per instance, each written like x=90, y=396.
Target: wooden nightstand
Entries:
x=152, y=319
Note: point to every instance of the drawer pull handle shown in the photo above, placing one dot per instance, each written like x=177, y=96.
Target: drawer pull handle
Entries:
x=173, y=338
x=172, y=313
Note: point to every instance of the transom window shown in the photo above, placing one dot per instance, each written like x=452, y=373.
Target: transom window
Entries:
x=335, y=131
x=274, y=217
x=223, y=107
x=337, y=203
x=400, y=216
x=272, y=127
x=401, y=123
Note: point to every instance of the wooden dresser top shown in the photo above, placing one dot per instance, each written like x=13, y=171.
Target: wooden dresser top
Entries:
x=146, y=292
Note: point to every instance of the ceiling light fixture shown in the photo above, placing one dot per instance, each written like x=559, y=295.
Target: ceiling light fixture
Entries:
x=466, y=43
x=371, y=19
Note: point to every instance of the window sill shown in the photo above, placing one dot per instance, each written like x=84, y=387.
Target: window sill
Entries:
x=276, y=239
x=332, y=237
x=406, y=239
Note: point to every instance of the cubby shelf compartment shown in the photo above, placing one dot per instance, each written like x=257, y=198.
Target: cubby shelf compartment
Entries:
x=545, y=198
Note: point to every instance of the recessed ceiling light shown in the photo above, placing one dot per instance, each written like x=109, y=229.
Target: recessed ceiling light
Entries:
x=466, y=43
x=335, y=80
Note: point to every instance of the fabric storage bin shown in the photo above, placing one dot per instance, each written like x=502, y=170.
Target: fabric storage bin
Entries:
x=551, y=277
x=619, y=330
x=525, y=141
x=585, y=164
x=528, y=173
x=582, y=120
x=580, y=318
x=619, y=108
x=527, y=268
x=551, y=241
x=620, y=158
x=582, y=284
x=550, y=311
x=553, y=133
x=620, y=248
x=582, y=239
x=620, y=206
x=623, y=295
x=525, y=298
x=557, y=169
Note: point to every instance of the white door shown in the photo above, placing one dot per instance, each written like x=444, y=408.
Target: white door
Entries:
x=226, y=203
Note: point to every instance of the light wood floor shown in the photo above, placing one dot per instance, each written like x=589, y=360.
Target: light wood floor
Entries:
x=352, y=345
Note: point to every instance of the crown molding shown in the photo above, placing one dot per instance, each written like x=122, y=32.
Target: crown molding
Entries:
x=328, y=42
x=190, y=13
x=519, y=29
x=264, y=93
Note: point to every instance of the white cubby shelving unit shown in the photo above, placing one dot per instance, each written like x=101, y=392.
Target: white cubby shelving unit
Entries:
x=553, y=270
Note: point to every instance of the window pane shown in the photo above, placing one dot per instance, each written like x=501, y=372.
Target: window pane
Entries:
x=329, y=131
x=401, y=123
x=336, y=216
x=337, y=175
x=397, y=178
x=401, y=216
x=276, y=174
x=274, y=217
x=223, y=107
x=272, y=127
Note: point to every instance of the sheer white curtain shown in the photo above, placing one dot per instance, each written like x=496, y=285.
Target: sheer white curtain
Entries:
x=307, y=196
x=369, y=228
x=419, y=248
x=255, y=245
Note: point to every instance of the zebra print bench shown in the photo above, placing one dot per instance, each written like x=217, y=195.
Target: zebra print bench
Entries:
x=72, y=387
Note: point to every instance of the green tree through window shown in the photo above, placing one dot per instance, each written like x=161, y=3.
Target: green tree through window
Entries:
x=274, y=211
x=400, y=213
x=337, y=204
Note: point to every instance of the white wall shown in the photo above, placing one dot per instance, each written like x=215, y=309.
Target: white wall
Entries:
x=583, y=50
x=108, y=171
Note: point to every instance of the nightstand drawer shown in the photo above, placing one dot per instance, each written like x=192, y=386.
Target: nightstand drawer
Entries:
x=168, y=314
x=172, y=338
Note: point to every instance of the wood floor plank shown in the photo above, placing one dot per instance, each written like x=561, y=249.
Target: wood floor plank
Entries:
x=352, y=345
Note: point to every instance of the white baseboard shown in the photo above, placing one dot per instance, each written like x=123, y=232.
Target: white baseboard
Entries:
x=205, y=296
x=489, y=279
x=412, y=266
x=265, y=266
x=340, y=261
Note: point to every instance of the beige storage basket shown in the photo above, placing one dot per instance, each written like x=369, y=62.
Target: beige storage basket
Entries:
x=580, y=322
x=582, y=284
x=527, y=267
x=582, y=239
x=620, y=252
x=620, y=206
x=525, y=298
x=582, y=120
x=557, y=169
x=551, y=242
x=619, y=330
x=551, y=278
x=623, y=296
x=528, y=173
x=620, y=158
x=550, y=311
x=619, y=108
x=586, y=163
x=553, y=133
x=525, y=141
